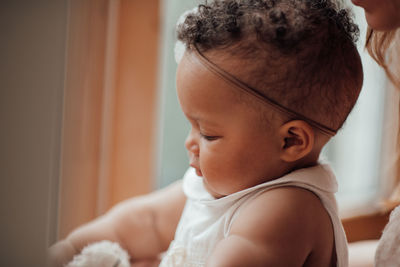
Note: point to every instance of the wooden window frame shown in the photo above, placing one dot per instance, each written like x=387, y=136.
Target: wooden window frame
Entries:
x=108, y=142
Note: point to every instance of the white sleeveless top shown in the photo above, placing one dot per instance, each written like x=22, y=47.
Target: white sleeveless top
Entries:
x=206, y=220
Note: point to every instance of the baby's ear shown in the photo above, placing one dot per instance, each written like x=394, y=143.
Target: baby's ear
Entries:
x=297, y=140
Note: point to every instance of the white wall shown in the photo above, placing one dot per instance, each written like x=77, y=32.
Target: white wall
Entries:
x=32, y=59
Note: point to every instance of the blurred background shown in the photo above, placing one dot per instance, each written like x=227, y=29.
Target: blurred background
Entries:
x=89, y=117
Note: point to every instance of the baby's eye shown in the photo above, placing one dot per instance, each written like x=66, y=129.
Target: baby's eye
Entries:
x=209, y=137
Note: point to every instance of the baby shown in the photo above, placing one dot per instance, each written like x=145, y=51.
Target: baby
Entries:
x=265, y=84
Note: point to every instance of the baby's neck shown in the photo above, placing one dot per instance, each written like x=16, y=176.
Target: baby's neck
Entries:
x=306, y=162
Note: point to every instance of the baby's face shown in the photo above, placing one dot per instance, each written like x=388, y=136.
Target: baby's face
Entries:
x=227, y=145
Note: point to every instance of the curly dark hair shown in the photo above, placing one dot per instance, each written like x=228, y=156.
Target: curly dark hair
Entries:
x=301, y=53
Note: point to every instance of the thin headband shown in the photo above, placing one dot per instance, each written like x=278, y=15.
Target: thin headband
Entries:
x=250, y=90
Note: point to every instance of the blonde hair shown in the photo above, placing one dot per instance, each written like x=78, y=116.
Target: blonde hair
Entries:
x=382, y=47
x=378, y=45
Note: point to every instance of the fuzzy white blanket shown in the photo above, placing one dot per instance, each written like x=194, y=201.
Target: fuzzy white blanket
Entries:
x=101, y=254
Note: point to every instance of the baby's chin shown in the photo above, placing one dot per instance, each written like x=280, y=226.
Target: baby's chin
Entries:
x=211, y=191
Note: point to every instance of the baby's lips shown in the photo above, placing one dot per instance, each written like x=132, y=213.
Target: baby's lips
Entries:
x=193, y=165
x=198, y=171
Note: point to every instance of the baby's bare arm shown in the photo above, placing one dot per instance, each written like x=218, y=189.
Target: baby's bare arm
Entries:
x=282, y=227
x=143, y=225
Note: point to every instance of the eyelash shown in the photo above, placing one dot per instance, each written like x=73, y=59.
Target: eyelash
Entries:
x=208, y=137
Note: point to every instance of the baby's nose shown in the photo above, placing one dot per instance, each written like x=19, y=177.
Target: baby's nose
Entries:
x=191, y=143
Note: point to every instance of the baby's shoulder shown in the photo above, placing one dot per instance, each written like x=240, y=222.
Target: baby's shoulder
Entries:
x=289, y=217
x=285, y=206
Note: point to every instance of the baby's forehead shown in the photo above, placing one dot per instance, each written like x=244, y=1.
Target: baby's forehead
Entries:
x=227, y=63
x=200, y=83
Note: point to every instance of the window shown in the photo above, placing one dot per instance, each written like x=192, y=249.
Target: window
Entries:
x=356, y=151
x=173, y=126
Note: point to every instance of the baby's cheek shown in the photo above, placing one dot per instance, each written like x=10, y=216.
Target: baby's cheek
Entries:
x=208, y=167
x=211, y=169
x=219, y=175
